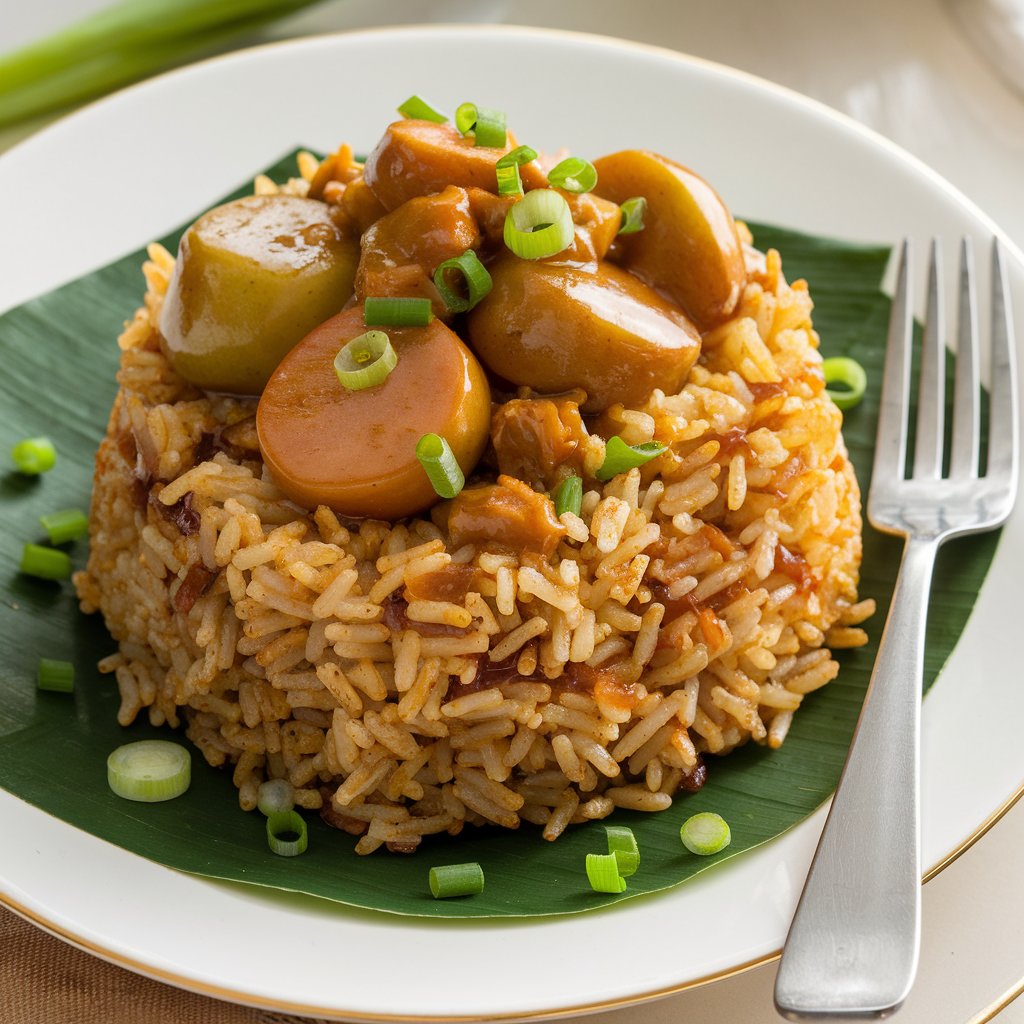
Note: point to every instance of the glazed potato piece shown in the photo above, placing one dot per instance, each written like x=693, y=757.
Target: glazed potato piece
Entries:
x=688, y=249
x=401, y=251
x=355, y=451
x=253, y=277
x=554, y=328
x=417, y=158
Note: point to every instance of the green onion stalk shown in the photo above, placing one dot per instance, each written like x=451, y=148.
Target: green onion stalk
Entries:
x=121, y=44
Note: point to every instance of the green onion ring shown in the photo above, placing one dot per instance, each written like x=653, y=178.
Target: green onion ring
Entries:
x=843, y=370
x=149, y=771
x=539, y=225
x=418, y=109
x=487, y=125
x=456, y=880
x=603, y=872
x=569, y=496
x=620, y=457
x=287, y=823
x=365, y=361
x=64, y=525
x=397, y=312
x=45, y=563
x=474, y=273
x=439, y=463
x=507, y=170
x=705, y=834
x=275, y=796
x=623, y=847
x=58, y=676
x=34, y=455
x=633, y=211
x=574, y=175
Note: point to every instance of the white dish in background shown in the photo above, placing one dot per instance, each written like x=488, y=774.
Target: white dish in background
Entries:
x=186, y=138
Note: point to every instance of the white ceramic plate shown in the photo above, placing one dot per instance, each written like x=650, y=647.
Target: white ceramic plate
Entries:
x=185, y=139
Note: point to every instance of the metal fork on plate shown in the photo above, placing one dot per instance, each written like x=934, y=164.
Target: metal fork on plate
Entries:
x=853, y=946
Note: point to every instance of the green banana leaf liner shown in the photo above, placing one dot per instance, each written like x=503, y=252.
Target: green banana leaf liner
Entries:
x=59, y=362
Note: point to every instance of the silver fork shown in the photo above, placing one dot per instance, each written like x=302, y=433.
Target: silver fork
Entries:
x=853, y=946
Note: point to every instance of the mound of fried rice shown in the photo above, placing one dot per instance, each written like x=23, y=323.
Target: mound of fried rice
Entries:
x=689, y=609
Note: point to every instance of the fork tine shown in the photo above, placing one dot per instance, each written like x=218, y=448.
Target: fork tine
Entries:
x=963, y=460
x=891, y=449
x=1003, y=411
x=930, y=395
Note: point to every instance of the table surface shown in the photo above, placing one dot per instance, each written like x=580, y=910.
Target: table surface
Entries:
x=907, y=71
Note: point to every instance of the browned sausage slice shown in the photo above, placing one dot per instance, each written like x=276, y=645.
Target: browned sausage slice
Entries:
x=356, y=450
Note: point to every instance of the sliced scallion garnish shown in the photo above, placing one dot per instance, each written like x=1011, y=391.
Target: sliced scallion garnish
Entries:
x=275, y=796
x=439, y=463
x=705, y=833
x=850, y=374
x=569, y=496
x=573, y=174
x=474, y=274
x=58, y=676
x=418, y=109
x=539, y=225
x=287, y=834
x=456, y=880
x=487, y=125
x=34, y=455
x=45, y=563
x=365, y=361
x=64, y=525
x=603, y=872
x=397, y=312
x=507, y=170
x=620, y=457
x=623, y=847
x=633, y=211
x=149, y=771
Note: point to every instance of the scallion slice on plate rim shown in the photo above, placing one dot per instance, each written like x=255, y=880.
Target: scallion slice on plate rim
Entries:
x=55, y=676
x=603, y=873
x=149, y=771
x=287, y=833
x=65, y=525
x=34, y=455
x=622, y=845
x=850, y=374
x=275, y=796
x=45, y=563
x=705, y=834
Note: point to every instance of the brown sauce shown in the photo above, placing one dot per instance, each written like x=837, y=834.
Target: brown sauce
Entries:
x=794, y=565
x=197, y=581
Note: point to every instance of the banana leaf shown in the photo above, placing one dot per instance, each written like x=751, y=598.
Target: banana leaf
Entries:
x=59, y=360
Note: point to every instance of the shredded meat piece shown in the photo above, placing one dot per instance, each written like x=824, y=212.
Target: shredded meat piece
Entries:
x=533, y=437
x=509, y=514
x=181, y=513
x=692, y=781
x=196, y=583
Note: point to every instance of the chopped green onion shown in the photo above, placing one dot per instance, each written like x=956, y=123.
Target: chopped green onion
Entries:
x=45, y=563
x=705, y=833
x=487, y=125
x=633, y=211
x=850, y=374
x=620, y=457
x=67, y=524
x=365, y=361
x=287, y=834
x=569, y=496
x=539, y=225
x=275, y=796
x=392, y=312
x=456, y=880
x=573, y=174
x=603, y=872
x=34, y=455
x=478, y=281
x=439, y=463
x=418, y=109
x=622, y=846
x=507, y=170
x=149, y=771
x=58, y=676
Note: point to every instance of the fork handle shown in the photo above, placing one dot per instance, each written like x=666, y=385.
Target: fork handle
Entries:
x=853, y=946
